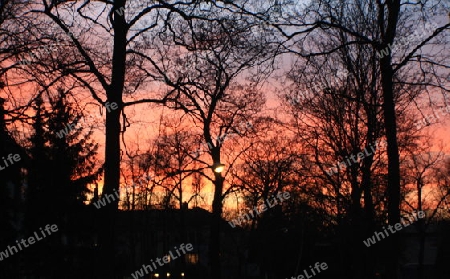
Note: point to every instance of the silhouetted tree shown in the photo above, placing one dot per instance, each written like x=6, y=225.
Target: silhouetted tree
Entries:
x=388, y=25
x=12, y=187
x=63, y=164
x=204, y=81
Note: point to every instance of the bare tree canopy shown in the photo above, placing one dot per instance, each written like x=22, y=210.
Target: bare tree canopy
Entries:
x=224, y=139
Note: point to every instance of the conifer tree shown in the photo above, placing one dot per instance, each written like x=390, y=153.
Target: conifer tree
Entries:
x=63, y=157
x=61, y=169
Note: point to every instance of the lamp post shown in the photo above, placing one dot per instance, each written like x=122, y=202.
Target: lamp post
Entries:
x=214, y=247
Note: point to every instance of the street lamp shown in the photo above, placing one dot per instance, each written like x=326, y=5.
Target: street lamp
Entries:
x=218, y=168
x=214, y=245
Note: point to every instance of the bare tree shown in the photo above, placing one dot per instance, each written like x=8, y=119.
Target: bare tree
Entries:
x=212, y=56
x=265, y=172
x=113, y=76
x=386, y=20
x=425, y=174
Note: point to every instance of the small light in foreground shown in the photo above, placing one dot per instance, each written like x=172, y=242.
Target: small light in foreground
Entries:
x=168, y=274
x=182, y=274
x=156, y=275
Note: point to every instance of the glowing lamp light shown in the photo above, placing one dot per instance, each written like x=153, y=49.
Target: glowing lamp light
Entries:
x=218, y=168
x=168, y=274
x=182, y=274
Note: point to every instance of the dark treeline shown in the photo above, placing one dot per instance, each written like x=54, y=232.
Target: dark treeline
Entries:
x=278, y=139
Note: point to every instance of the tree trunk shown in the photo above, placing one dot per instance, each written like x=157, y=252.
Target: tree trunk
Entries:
x=422, y=232
x=214, y=247
x=111, y=182
x=393, y=187
x=112, y=147
x=356, y=225
x=388, y=31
